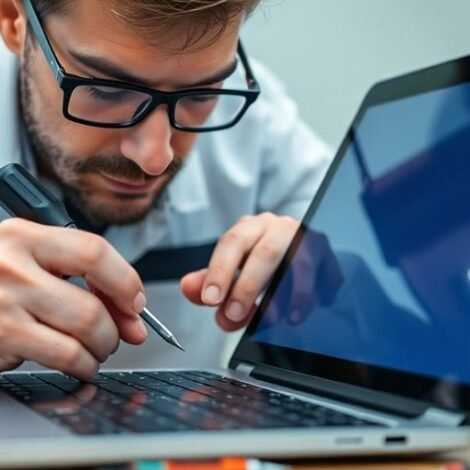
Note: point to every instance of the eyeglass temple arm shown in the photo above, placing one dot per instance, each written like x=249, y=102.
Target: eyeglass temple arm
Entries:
x=250, y=78
x=44, y=43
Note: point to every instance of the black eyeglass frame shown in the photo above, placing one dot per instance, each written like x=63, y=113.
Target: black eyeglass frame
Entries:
x=68, y=82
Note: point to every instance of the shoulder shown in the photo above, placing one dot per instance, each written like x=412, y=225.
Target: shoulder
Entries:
x=273, y=124
x=272, y=86
x=270, y=129
x=269, y=120
x=274, y=102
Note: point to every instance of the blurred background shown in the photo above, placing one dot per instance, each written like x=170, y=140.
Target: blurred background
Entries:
x=329, y=52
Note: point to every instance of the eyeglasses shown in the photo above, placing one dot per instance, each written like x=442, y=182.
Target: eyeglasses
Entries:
x=119, y=104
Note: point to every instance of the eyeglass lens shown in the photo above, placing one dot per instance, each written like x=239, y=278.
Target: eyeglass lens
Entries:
x=114, y=105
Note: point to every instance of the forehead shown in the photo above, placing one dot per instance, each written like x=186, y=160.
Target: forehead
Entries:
x=92, y=28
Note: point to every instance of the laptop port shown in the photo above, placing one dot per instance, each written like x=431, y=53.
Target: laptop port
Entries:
x=395, y=440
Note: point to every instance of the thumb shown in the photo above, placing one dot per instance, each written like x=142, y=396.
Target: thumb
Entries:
x=191, y=285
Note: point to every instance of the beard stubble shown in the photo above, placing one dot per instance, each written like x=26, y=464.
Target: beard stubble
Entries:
x=66, y=170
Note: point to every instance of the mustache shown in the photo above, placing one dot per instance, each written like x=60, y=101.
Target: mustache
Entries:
x=121, y=167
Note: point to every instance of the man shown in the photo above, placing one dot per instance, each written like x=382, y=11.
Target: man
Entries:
x=125, y=143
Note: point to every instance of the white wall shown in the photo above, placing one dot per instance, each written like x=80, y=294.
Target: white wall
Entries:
x=329, y=52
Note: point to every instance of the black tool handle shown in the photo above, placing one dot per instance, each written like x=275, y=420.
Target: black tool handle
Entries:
x=24, y=196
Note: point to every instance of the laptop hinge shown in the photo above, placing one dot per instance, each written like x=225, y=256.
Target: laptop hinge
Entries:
x=380, y=401
x=244, y=368
x=439, y=417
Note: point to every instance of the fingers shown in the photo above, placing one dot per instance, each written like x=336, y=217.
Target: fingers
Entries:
x=254, y=276
x=78, y=253
x=229, y=325
x=263, y=258
x=51, y=321
x=131, y=329
x=9, y=362
x=191, y=285
x=228, y=255
x=240, y=267
x=71, y=310
x=30, y=340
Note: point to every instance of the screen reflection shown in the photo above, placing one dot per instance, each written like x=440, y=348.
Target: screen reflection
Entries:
x=123, y=402
x=382, y=274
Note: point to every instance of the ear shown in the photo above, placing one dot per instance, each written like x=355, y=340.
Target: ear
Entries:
x=13, y=25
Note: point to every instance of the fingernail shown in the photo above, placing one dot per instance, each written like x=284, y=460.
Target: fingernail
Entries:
x=87, y=368
x=235, y=311
x=142, y=328
x=212, y=294
x=139, y=302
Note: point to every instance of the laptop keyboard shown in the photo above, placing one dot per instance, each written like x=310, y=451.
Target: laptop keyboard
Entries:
x=164, y=401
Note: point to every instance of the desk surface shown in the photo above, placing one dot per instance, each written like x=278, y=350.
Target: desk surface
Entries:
x=432, y=462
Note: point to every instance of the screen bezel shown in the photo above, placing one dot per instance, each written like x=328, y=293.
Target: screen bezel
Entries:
x=379, y=379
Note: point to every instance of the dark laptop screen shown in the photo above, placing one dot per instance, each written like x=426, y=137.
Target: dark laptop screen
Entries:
x=381, y=275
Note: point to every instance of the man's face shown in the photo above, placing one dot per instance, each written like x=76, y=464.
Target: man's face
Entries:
x=112, y=175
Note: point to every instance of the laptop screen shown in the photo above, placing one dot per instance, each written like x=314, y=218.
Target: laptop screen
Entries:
x=379, y=274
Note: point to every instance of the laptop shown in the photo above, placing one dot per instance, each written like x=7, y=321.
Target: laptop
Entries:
x=360, y=344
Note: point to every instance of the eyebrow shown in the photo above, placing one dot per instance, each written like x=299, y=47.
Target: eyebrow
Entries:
x=108, y=69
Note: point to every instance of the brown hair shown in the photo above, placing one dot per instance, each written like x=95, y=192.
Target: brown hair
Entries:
x=204, y=20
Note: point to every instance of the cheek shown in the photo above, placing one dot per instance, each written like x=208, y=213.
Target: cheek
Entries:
x=88, y=141
x=46, y=103
x=182, y=142
x=46, y=98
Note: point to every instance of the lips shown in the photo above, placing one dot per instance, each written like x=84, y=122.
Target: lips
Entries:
x=126, y=186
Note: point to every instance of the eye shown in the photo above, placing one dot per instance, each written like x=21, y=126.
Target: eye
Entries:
x=202, y=98
x=108, y=93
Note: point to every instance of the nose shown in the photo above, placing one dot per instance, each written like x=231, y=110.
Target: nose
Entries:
x=148, y=144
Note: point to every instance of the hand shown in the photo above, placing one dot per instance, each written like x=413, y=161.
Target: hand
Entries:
x=44, y=318
x=240, y=267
